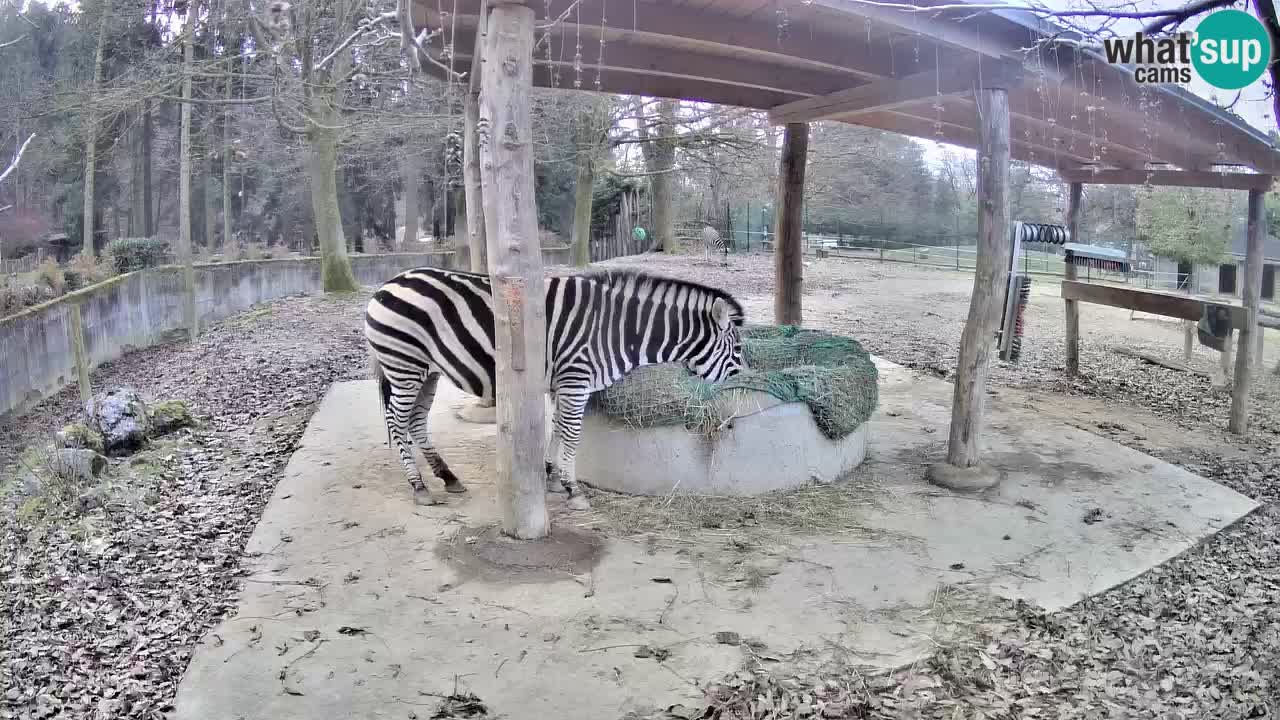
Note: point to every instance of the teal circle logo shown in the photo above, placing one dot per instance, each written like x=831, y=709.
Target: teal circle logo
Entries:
x=1231, y=49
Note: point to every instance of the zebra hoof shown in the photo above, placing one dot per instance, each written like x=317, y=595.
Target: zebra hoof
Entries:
x=456, y=487
x=578, y=502
x=554, y=486
x=422, y=496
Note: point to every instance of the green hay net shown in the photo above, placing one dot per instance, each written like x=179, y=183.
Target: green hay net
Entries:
x=832, y=374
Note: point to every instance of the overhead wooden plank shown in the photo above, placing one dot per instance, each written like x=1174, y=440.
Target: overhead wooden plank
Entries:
x=741, y=37
x=1171, y=178
x=1251, y=297
x=1023, y=147
x=893, y=92
x=1182, y=307
x=1063, y=136
x=698, y=67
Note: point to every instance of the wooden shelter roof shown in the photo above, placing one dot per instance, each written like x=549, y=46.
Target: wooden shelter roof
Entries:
x=868, y=63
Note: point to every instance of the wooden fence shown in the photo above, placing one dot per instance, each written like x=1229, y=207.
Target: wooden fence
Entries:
x=606, y=246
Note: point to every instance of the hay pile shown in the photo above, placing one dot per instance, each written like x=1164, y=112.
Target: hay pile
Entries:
x=834, y=375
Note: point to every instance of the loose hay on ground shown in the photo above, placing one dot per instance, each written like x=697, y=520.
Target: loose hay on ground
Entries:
x=837, y=508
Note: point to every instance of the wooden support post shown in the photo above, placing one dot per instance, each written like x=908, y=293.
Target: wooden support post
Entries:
x=1251, y=295
x=75, y=336
x=1225, y=359
x=515, y=267
x=1074, y=198
x=472, y=187
x=990, y=277
x=788, y=255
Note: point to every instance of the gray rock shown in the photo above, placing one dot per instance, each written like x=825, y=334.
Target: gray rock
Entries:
x=76, y=464
x=121, y=416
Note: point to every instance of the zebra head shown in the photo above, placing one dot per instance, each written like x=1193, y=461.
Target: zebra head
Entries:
x=722, y=358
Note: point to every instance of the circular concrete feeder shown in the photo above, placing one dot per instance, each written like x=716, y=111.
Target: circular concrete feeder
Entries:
x=766, y=444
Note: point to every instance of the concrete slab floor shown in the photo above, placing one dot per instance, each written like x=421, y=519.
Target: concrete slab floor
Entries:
x=359, y=604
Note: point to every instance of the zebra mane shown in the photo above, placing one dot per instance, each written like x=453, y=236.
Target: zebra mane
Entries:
x=614, y=277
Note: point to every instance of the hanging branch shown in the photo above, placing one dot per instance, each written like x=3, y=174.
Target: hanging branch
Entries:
x=14, y=41
x=413, y=45
x=17, y=158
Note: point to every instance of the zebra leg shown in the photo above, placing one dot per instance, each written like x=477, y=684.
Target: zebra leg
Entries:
x=570, y=407
x=399, y=401
x=418, y=431
x=553, y=450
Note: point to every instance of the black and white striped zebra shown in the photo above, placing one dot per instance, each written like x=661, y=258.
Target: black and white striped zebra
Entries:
x=711, y=240
x=427, y=322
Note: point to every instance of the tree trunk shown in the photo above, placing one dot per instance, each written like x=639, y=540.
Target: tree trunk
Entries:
x=412, y=169
x=228, y=221
x=472, y=186
x=512, y=231
x=184, y=181
x=137, y=213
x=582, y=198
x=993, y=256
x=335, y=266
x=91, y=137
x=206, y=166
x=660, y=159
x=148, y=214
x=789, y=251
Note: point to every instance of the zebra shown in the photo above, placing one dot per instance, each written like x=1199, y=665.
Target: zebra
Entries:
x=601, y=324
x=711, y=238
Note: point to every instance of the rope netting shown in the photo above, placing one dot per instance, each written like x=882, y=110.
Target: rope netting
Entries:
x=834, y=375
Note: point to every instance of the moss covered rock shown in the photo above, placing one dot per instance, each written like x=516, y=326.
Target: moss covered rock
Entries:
x=80, y=436
x=121, y=416
x=168, y=416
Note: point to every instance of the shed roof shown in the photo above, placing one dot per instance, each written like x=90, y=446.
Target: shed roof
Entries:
x=910, y=72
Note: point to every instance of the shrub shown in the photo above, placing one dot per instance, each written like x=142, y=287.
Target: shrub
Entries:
x=18, y=293
x=51, y=275
x=132, y=254
x=83, y=271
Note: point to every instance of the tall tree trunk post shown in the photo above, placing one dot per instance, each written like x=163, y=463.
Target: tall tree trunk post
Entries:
x=582, y=197
x=472, y=185
x=1251, y=297
x=788, y=254
x=228, y=154
x=511, y=229
x=91, y=138
x=411, y=167
x=1075, y=196
x=335, y=266
x=962, y=469
x=148, y=214
x=190, y=317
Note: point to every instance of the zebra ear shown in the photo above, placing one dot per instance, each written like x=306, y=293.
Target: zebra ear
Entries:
x=721, y=314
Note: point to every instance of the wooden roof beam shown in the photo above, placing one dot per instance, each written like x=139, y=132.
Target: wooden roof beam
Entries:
x=678, y=64
x=965, y=136
x=1170, y=178
x=896, y=92
x=659, y=25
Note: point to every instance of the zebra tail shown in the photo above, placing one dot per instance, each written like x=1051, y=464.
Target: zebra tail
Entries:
x=384, y=392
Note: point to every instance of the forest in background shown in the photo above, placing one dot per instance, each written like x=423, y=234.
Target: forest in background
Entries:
x=308, y=124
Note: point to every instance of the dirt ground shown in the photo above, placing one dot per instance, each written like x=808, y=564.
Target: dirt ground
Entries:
x=99, y=620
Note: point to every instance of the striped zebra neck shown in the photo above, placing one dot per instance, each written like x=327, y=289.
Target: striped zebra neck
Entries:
x=668, y=319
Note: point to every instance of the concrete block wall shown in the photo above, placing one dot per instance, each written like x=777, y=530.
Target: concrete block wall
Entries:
x=140, y=309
